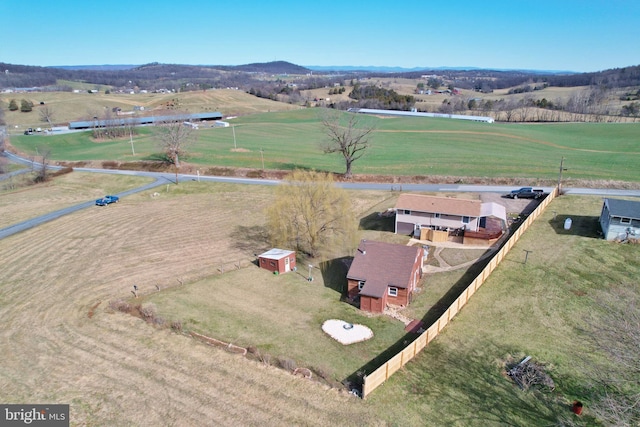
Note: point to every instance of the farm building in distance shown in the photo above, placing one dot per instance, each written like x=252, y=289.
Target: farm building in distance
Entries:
x=419, y=114
x=278, y=260
x=620, y=219
x=139, y=121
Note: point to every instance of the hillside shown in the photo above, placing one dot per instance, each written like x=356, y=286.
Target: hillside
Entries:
x=276, y=67
x=148, y=76
x=69, y=106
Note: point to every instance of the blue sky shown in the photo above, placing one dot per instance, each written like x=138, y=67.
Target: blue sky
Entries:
x=575, y=35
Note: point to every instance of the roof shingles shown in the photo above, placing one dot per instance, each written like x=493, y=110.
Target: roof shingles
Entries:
x=381, y=265
x=445, y=205
x=624, y=208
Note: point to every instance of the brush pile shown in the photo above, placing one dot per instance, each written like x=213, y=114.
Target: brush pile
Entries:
x=528, y=374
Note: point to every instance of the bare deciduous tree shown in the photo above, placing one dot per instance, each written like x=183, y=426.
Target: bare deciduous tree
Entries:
x=311, y=214
x=348, y=135
x=41, y=171
x=175, y=137
x=46, y=114
x=527, y=107
x=510, y=109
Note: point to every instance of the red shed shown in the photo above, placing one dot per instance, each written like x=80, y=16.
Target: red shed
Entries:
x=278, y=260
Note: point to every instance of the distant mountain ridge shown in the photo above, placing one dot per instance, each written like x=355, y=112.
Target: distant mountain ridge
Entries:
x=176, y=77
x=104, y=67
x=275, y=67
x=284, y=67
x=384, y=69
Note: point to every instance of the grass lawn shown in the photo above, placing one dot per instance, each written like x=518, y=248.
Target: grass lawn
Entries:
x=280, y=315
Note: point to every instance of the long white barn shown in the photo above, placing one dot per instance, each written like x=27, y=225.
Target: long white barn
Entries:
x=138, y=121
x=418, y=114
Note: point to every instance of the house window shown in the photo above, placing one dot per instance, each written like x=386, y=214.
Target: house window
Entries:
x=465, y=220
x=436, y=215
x=393, y=291
x=273, y=264
x=407, y=212
x=360, y=285
x=625, y=220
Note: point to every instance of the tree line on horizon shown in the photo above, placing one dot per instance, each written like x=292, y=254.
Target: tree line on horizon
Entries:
x=173, y=76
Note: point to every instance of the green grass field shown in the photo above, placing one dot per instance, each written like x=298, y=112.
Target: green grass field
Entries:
x=401, y=146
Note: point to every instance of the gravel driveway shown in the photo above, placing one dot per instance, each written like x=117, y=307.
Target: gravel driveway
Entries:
x=523, y=206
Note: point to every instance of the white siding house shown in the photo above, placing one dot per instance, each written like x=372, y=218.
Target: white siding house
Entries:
x=620, y=219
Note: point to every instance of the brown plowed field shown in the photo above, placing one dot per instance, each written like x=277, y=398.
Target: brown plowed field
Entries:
x=60, y=343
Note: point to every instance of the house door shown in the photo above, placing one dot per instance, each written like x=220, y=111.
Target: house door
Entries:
x=287, y=267
x=376, y=305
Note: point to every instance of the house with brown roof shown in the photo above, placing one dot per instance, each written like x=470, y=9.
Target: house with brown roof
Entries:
x=384, y=274
x=416, y=211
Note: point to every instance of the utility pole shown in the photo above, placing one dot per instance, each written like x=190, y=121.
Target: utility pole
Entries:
x=562, y=168
x=262, y=157
x=133, y=152
x=233, y=128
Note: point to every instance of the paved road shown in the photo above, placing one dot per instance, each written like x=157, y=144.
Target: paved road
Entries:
x=165, y=178
x=33, y=222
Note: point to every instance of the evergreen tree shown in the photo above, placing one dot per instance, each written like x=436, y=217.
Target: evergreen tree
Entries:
x=26, y=106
